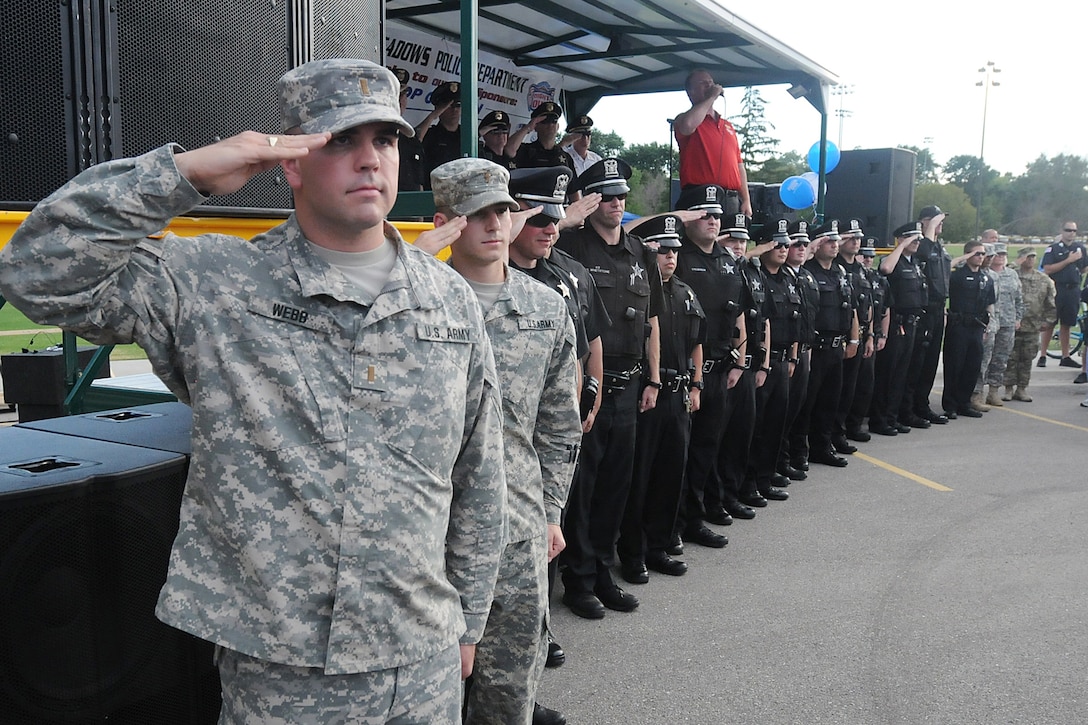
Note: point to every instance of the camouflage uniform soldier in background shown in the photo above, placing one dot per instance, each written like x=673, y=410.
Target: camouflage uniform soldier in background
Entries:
x=1038, y=293
x=343, y=517
x=1008, y=310
x=533, y=339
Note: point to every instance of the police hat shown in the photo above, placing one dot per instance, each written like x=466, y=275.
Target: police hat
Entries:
x=868, y=247
x=736, y=226
x=581, y=123
x=446, y=92
x=403, y=76
x=909, y=229
x=545, y=186
x=607, y=176
x=777, y=231
x=663, y=229
x=830, y=228
x=852, y=228
x=704, y=197
x=549, y=109
x=494, y=120
x=928, y=212
x=799, y=230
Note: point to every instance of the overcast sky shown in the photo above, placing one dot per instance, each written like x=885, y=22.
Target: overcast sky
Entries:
x=911, y=70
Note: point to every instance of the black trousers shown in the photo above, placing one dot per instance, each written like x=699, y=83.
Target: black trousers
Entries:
x=772, y=405
x=892, y=367
x=661, y=445
x=962, y=360
x=824, y=387
x=598, y=494
x=925, y=357
x=727, y=486
x=851, y=371
x=795, y=436
x=707, y=424
x=863, y=393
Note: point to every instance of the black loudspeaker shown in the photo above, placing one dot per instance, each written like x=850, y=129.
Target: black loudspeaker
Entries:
x=86, y=528
x=34, y=381
x=160, y=426
x=93, y=80
x=875, y=186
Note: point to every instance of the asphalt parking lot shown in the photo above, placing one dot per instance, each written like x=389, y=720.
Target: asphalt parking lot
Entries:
x=941, y=577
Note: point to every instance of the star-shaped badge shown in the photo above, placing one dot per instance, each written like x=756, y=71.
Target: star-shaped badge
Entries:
x=636, y=273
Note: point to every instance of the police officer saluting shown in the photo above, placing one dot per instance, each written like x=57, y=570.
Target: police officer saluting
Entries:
x=793, y=459
x=971, y=297
x=863, y=304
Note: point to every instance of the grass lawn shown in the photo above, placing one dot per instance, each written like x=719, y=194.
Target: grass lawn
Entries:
x=42, y=337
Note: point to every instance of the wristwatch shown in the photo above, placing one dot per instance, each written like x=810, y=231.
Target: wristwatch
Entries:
x=652, y=384
x=698, y=384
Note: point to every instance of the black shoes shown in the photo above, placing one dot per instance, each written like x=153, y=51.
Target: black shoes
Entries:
x=546, y=716
x=556, y=655
x=705, y=537
x=719, y=517
x=883, y=430
x=662, y=563
x=584, y=604
x=792, y=473
x=857, y=434
x=634, y=572
x=936, y=418
x=950, y=414
x=902, y=428
x=615, y=598
x=801, y=464
x=1041, y=362
x=777, y=479
x=1082, y=377
x=917, y=421
x=740, y=511
x=840, y=444
x=755, y=500
x=969, y=413
x=676, y=548
x=1068, y=362
x=770, y=493
x=828, y=458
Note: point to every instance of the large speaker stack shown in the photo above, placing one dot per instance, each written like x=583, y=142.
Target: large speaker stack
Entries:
x=88, y=513
x=875, y=186
x=86, y=81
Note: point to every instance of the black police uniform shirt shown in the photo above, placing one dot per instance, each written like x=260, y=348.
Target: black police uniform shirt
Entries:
x=589, y=300
x=554, y=278
x=937, y=266
x=754, y=303
x=970, y=293
x=719, y=286
x=862, y=290
x=534, y=155
x=628, y=282
x=682, y=325
x=907, y=287
x=440, y=146
x=507, y=162
x=810, y=303
x=413, y=165
x=879, y=286
x=784, y=298
x=1068, y=276
x=833, y=316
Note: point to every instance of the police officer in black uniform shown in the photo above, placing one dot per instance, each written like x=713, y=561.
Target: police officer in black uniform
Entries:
x=836, y=337
x=793, y=458
x=715, y=276
x=741, y=412
x=971, y=297
x=937, y=266
x=442, y=141
x=545, y=150
x=494, y=131
x=663, y=431
x=863, y=393
x=772, y=398
x=629, y=283
x=906, y=300
x=413, y=171
x=862, y=291
x=1064, y=261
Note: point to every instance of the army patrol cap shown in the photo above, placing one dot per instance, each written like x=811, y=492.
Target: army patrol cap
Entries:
x=545, y=186
x=580, y=124
x=799, y=230
x=829, y=229
x=468, y=185
x=607, y=176
x=736, y=226
x=910, y=229
x=494, y=121
x=663, y=230
x=1001, y=248
x=549, y=109
x=450, y=91
x=336, y=94
x=704, y=197
x=1026, y=252
x=989, y=249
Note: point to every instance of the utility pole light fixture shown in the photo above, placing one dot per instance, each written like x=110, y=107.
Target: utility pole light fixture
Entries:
x=988, y=80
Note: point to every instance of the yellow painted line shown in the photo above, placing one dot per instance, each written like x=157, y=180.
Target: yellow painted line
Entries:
x=901, y=472
x=1045, y=420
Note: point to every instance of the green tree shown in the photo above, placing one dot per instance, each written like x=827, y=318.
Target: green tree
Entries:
x=649, y=193
x=757, y=146
x=1049, y=192
x=925, y=166
x=648, y=157
x=779, y=168
x=959, y=225
x=607, y=143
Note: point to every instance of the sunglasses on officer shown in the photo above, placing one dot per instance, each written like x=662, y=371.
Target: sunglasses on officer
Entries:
x=540, y=221
x=613, y=197
x=711, y=215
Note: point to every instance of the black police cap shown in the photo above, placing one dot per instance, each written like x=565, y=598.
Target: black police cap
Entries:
x=707, y=197
x=663, y=229
x=545, y=186
x=607, y=176
x=909, y=229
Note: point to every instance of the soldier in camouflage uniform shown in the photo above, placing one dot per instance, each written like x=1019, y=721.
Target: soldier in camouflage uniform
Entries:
x=533, y=339
x=1038, y=294
x=342, y=523
x=1008, y=310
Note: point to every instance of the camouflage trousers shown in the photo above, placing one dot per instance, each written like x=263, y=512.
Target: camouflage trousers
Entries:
x=1025, y=349
x=510, y=657
x=256, y=692
x=995, y=357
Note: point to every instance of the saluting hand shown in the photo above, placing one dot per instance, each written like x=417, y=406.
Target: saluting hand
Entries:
x=226, y=166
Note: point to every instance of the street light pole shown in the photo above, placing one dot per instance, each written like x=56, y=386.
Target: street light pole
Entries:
x=841, y=92
x=988, y=80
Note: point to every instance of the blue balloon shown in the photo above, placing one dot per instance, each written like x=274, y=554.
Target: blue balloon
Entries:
x=832, y=157
x=797, y=193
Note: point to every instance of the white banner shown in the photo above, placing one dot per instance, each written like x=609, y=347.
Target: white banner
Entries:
x=432, y=61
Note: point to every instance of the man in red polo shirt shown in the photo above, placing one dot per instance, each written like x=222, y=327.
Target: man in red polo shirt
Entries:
x=709, y=151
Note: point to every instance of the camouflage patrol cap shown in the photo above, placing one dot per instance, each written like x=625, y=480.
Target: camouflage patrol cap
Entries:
x=468, y=185
x=1026, y=252
x=336, y=94
x=1001, y=248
